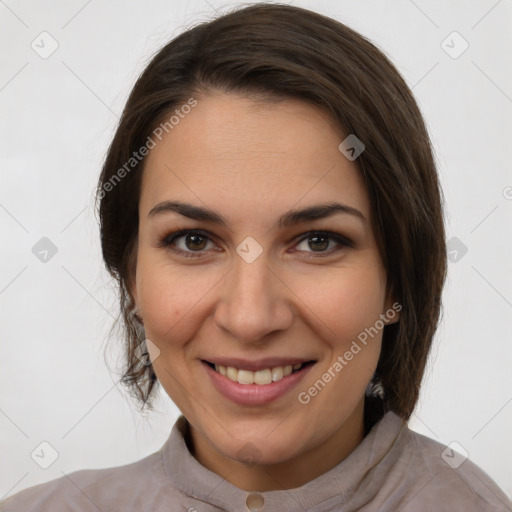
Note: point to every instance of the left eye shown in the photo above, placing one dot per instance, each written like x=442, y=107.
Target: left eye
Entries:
x=321, y=240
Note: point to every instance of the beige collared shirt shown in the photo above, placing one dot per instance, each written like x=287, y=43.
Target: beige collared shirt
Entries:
x=393, y=469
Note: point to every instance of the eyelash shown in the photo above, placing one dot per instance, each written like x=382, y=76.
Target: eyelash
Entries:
x=168, y=239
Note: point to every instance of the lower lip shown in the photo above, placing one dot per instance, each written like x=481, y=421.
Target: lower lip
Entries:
x=254, y=394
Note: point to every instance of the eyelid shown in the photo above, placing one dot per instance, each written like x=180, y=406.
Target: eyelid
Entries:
x=168, y=239
x=343, y=240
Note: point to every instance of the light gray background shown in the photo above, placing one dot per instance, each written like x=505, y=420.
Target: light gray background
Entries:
x=58, y=116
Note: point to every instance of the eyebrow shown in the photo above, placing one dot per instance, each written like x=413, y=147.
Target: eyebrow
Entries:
x=290, y=218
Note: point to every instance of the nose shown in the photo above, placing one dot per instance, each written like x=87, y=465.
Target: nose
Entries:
x=254, y=302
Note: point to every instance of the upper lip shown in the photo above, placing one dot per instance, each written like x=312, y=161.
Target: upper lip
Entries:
x=255, y=365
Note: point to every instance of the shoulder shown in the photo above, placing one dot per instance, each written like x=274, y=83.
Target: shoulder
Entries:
x=92, y=489
x=443, y=478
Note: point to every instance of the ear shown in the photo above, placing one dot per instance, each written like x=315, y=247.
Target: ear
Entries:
x=136, y=310
x=132, y=273
x=132, y=290
x=392, y=309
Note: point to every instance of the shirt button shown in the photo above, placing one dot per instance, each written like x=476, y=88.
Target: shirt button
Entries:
x=254, y=502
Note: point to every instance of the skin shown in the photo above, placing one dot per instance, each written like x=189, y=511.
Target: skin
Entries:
x=252, y=162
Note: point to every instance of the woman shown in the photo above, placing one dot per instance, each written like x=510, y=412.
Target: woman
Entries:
x=271, y=211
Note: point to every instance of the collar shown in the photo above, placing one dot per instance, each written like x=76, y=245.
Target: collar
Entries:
x=336, y=485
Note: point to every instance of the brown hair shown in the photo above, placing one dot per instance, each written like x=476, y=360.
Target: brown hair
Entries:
x=281, y=51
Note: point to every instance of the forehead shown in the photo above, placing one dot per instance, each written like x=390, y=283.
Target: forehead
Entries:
x=231, y=152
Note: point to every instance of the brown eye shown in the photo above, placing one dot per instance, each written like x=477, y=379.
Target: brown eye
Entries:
x=318, y=242
x=186, y=242
x=195, y=242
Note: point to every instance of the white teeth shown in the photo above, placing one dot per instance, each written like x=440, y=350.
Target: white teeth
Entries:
x=277, y=373
x=261, y=377
x=245, y=377
x=232, y=373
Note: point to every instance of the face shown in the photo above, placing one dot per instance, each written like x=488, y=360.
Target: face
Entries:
x=233, y=287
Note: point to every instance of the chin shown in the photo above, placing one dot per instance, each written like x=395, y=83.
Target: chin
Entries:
x=264, y=443
x=263, y=452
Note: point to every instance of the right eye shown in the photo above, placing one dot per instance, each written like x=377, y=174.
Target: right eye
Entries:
x=192, y=239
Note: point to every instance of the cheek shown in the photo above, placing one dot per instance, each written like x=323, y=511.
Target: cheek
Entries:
x=348, y=304
x=171, y=298
x=348, y=311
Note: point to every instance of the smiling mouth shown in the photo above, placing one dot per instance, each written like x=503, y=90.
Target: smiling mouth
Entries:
x=261, y=377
